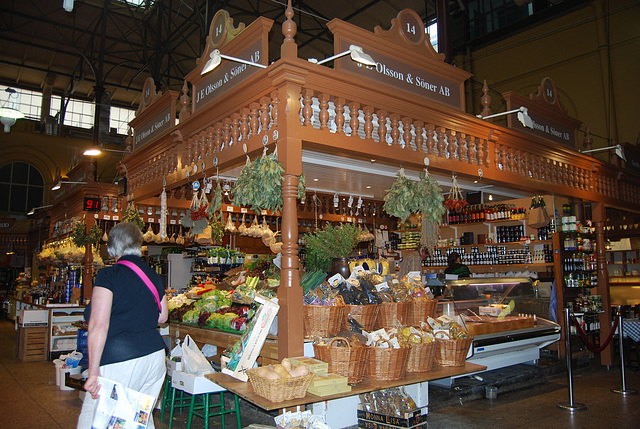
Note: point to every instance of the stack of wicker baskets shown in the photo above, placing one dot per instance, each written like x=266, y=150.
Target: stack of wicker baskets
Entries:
x=392, y=315
x=322, y=320
x=344, y=359
x=280, y=390
x=452, y=352
x=421, y=356
x=387, y=364
x=365, y=315
x=420, y=311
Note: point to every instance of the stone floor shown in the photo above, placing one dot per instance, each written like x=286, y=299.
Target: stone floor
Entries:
x=527, y=398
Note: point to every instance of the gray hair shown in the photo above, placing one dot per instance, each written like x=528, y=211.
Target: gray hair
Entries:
x=125, y=239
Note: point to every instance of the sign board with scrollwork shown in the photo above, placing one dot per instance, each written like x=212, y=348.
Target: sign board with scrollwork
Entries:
x=404, y=57
x=155, y=116
x=550, y=119
x=250, y=44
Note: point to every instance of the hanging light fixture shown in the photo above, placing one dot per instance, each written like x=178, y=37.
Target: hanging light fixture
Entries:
x=215, y=58
x=59, y=184
x=618, y=150
x=356, y=53
x=523, y=116
x=9, y=113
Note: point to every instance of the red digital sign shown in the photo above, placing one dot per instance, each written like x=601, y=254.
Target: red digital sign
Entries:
x=91, y=204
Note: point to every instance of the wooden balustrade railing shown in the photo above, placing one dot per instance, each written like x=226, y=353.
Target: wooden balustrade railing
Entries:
x=525, y=160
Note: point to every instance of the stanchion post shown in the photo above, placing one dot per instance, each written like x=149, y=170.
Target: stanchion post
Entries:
x=623, y=390
x=571, y=406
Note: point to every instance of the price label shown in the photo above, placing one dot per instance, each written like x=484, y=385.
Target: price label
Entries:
x=172, y=221
x=243, y=210
x=106, y=217
x=116, y=218
x=151, y=219
x=229, y=208
x=349, y=219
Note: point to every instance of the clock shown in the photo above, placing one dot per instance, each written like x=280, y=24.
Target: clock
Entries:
x=91, y=204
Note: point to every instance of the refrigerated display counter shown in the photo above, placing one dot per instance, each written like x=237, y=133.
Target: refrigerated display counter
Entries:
x=500, y=342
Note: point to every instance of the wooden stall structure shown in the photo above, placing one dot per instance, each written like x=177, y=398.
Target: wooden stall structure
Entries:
x=408, y=106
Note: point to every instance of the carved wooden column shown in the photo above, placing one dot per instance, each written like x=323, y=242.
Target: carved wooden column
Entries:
x=289, y=84
x=599, y=215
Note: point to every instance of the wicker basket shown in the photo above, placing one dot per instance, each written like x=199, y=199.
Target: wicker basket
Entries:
x=452, y=352
x=365, y=315
x=387, y=364
x=421, y=357
x=322, y=320
x=392, y=315
x=419, y=311
x=346, y=361
x=279, y=390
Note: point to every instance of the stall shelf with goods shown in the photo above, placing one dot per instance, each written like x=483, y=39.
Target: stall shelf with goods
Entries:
x=495, y=239
x=59, y=323
x=313, y=111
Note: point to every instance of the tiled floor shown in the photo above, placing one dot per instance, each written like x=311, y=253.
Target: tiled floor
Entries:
x=29, y=398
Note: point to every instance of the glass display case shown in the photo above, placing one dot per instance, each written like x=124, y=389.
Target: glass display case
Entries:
x=501, y=341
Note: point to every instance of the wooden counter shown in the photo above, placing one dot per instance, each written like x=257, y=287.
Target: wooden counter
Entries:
x=245, y=391
x=221, y=339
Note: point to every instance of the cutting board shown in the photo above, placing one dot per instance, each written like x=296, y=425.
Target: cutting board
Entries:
x=490, y=325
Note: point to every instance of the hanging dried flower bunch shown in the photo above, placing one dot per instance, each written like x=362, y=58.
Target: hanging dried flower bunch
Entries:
x=455, y=201
x=131, y=215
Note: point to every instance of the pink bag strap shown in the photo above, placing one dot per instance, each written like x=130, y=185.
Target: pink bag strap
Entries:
x=145, y=279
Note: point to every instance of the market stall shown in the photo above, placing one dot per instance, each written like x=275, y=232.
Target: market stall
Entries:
x=397, y=112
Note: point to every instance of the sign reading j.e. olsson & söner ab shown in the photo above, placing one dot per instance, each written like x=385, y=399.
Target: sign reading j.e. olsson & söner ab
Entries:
x=226, y=76
x=149, y=130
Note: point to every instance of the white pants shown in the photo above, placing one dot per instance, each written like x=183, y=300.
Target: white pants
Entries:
x=145, y=374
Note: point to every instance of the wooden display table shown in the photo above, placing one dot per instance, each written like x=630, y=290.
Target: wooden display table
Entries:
x=221, y=339
x=245, y=391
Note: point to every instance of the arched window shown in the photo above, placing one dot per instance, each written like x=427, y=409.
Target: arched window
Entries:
x=21, y=187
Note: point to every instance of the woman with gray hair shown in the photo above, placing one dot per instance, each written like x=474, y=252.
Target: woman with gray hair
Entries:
x=127, y=303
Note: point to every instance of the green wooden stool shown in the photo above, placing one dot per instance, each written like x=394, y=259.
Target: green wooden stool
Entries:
x=170, y=400
x=202, y=402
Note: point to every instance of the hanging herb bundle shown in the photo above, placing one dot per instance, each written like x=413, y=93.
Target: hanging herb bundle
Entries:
x=259, y=185
x=215, y=215
x=131, y=215
x=400, y=200
x=429, y=201
x=80, y=237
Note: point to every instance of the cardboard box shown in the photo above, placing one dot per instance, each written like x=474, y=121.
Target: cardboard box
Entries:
x=194, y=384
x=255, y=339
x=409, y=420
x=329, y=390
x=33, y=318
x=316, y=366
x=328, y=379
x=173, y=366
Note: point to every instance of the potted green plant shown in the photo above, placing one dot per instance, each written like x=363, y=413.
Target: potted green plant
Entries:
x=328, y=248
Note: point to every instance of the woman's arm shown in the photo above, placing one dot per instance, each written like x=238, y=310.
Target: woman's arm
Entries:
x=101, y=300
x=164, y=314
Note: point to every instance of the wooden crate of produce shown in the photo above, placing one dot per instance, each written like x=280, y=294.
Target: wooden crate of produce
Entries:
x=489, y=325
x=32, y=343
